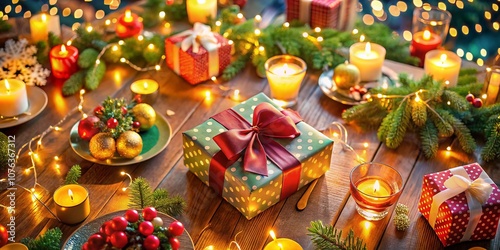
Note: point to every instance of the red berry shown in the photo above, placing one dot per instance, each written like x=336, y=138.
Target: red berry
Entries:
x=477, y=102
x=146, y=228
x=176, y=228
x=119, y=239
x=136, y=124
x=102, y=229
x=109, y=229
x=88, y=127
x=99, y=110
x=469, y=97
x=174, y=243
x=151, y=242
x=124, y=110
x=132, y=215
x=363, y=91
x=112, y=122
x=137, y=98
x=85, y=246
x=119, y=223
x=149, y=213
x=96, y=241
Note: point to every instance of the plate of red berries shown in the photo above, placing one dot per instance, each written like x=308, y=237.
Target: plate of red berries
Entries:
x=131, y=229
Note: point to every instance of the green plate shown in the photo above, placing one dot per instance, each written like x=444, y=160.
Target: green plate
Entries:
x=155, y=140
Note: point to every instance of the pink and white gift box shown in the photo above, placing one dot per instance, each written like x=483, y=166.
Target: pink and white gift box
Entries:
x=337, y=14
x=461, y=204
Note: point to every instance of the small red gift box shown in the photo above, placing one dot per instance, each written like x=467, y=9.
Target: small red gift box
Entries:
x=461, y=204
x=337, y=14
x=197, y=54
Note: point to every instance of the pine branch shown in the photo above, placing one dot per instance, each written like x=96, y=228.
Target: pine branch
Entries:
x=463, y=134
x=429, y=138
x=163, y=202
x=418, y=112
x=328, y=237
x=456, y=101
x=397, y=130
x=74, y=83
x=444, y=127
x=73, y=175
x=141, y=195
x=50, y=240
x=492, y=148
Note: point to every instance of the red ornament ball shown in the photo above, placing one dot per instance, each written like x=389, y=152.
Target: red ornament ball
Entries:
x=138, y=99
x=149, y=213
x=469, y=97
x=176, y=228
x=4, y=236
x=96, y=241
x=85, y=246
x=146, y=228
x=99, y=110
x=151, y=242
x=119, y=223
x=88, y=127
x=174, y=243
x=136, y=124
x=112, y=122
x=477, y=102
x=124, y=110
x=119, y=239
x=108, y=230
x=132, y=215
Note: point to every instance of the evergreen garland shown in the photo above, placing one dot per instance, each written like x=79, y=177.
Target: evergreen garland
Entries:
x=141, y=195
x=50, y=240
x=329, y=238
x=73, y=175
x=118, y=109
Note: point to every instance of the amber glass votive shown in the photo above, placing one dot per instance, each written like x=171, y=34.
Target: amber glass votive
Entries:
x=375, y=187
x=285, y=74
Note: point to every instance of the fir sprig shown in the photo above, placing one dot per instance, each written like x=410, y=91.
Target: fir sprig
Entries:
x=73, y=175
x=328, y=237
x=51, y=240
x=119, y=109
x=142, y=195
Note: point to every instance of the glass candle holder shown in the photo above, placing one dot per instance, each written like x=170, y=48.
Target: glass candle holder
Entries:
x=285, y=74
x=443, y=65
x=492, y=85
x=375, y=187
x=429, y=27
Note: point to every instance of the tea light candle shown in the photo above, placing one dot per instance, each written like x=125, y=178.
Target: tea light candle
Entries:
x=492, y=86
x=128, y=25
x=285, y=74
x=369, y=58
x=201, y=10
x=72, y=203
x=13, y=97
x=281, y=243
x=443, y=65
x=14, y=246
x=147, y=88
x=39, y=27
x=423, y=42
x=63, y=61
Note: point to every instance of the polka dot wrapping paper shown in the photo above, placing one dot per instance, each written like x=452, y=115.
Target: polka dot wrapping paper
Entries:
x=252, y=193
x=454, y=219
x=337, y=14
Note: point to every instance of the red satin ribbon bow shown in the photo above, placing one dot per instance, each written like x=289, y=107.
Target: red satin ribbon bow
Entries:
x=254, y=141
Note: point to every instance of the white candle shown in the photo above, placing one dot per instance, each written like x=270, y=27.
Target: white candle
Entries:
x=443, y=65
x=369, y=58
x=493, y=86
x=200, y=10
x=13, y=97
x=285, y=74
x=72, y=203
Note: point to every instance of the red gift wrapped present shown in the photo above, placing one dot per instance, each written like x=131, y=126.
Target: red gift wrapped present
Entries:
x=337, y=14
x=461, y=204
x=197, y=54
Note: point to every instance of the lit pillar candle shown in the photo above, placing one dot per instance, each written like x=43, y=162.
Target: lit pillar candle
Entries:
x=281, y=243
x=39, y=26
x=492, y=86
x=147, y=89
x=63, y=61
x=201, y=10
x=285, y=74
x=423, y=42
x=13, y=97
x=369, y=58
x=72, y=203
x=128, y=25
x=443, y=65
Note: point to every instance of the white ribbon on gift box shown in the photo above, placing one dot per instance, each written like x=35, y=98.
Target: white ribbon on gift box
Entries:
x=477, y=193
x=200, y=35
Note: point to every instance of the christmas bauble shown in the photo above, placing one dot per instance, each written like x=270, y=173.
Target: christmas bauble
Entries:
x=151, y=242
x=119, y=239
x=146, y=228
x=176, y=228
x=102, y=146
x=112, y=122
x=88, y=127
x=346, y=75
x=149, y=213
x=145, y=115
x=4, y=236
x=129, y=144
x=132, y=215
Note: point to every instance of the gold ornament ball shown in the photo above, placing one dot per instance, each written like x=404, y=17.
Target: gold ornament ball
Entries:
x=145, y=115
x=346, y=75
x=102, y=146
x=129, y=144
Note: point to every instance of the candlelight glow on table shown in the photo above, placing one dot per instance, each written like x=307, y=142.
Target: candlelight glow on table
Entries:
x=443, y=65
x=369, y=58
x=281, y=243
x=285, y=74
x=72, y=203
x=13, y=97
x=201, y=10
x=63, y=61
x=147, y=89
x=375, y=187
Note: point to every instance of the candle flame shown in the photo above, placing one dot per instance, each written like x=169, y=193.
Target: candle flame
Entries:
x=7, y=86
x=70, y=193
x=272, y=234
x=417, y=98
x=44, y=17
x=202, y=1
x=145, y=85
x=128, y=16
x=280, y=245
x=443, y=58
x=63, y=50
x=368, y=48
x=285, y=68
x=427, y=35
x=376, y=186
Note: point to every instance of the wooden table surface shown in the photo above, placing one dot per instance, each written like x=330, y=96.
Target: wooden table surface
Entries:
x=208, y=218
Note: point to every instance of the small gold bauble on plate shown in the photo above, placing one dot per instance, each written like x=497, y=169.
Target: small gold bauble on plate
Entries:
x=102, y=146
x=145, y=115
x=346, y=75
x=129, y=144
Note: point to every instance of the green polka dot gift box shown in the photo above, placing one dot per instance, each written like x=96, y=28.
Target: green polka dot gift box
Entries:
x=256, y=154
x=461, y=204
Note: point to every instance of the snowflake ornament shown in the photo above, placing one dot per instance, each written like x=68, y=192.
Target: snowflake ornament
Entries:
x=18, y=60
